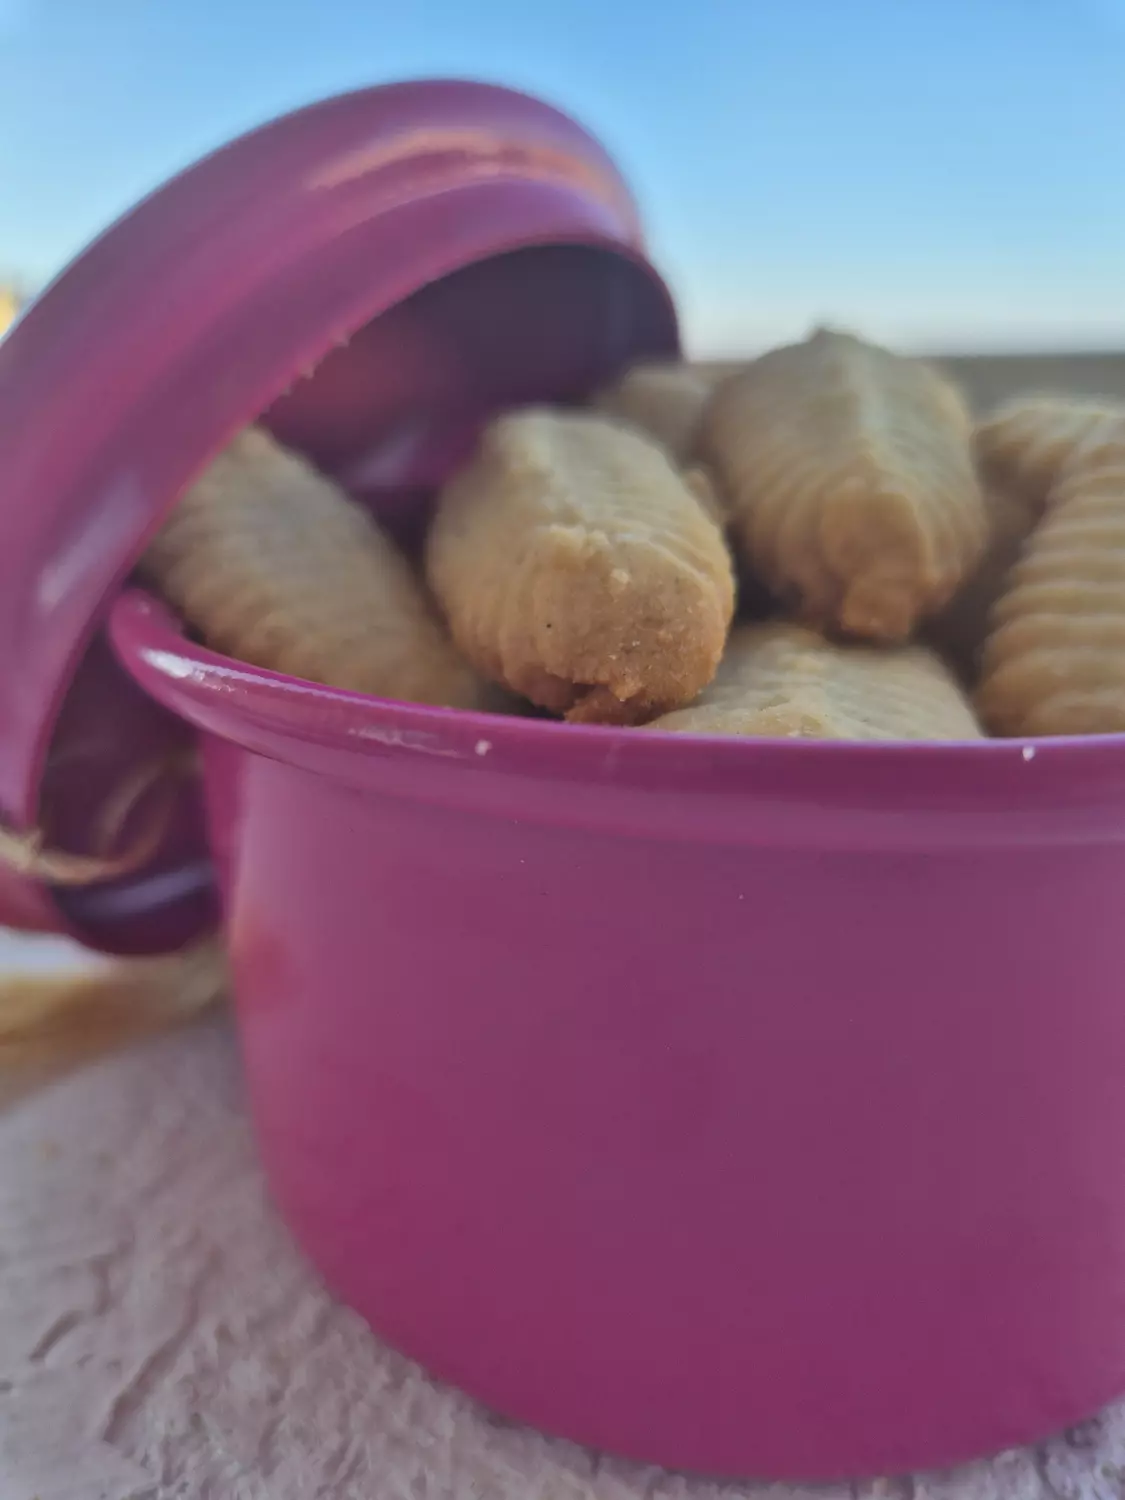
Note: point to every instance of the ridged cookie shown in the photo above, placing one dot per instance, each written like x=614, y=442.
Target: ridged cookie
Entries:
x=783, y=681
x=577, y=567
x=960, y=629
x=849, y=479
x=274, y=565
x=664, y=401
x=1027, y=442
x=1054, y=662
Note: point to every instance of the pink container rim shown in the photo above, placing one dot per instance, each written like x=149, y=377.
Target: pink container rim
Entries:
x=856, y=797
x=279, y=279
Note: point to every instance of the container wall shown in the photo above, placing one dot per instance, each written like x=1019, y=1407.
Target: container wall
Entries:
x=786, y=1163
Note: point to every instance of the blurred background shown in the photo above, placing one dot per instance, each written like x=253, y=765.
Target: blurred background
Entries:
x=944, y=177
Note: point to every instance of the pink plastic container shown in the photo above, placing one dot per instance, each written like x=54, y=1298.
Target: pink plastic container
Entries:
x=747, y=1108
x=752, y=1108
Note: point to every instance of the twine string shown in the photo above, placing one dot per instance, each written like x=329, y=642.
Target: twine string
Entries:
x=28, y=853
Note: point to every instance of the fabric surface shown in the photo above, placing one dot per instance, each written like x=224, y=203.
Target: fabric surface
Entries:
x=161, y=1339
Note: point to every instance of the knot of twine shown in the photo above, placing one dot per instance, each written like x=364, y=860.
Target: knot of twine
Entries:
x=30, y=855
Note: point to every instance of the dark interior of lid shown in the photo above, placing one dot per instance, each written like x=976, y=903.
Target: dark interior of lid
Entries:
x=393, y=411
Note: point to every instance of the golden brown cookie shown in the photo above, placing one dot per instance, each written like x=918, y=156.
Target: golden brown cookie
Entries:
x=664, y=401
x=578, y=568
x=275, y=566
x=959, y=630
x=1026, y=442
x=848, y=475
x=702, y=486
x=1054, y=662
x=783, y=681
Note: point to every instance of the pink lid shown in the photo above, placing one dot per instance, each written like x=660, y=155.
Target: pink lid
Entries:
x=436, y=250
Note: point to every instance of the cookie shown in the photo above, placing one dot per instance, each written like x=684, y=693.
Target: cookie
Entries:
x=577, y=567
x=849, y=479
x=1027, y=442
x=784, y=681
x=960, y=629
x=1054, y=661
x=276, y=566
x=664, y=401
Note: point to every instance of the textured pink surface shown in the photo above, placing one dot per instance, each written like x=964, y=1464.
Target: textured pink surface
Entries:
x=504, y=250
x=742, y=1107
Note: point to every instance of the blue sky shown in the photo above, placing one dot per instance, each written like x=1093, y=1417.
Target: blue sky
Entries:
x=937, y=175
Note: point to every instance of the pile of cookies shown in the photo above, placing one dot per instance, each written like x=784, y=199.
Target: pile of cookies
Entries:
x=904, y=574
